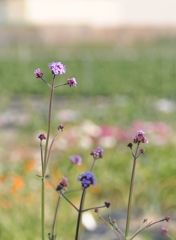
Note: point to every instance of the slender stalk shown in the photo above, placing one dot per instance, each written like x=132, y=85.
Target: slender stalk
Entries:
x=44, y=163
x=80, y=214
x=61, y=85
x=109, y=226
x=43, y=208
x=130, y=194
x=92, y=165
x=55, y=216
x=41, y=155
x=147, y=226
x=69, y=201
x=49, y=151
x=49, y=124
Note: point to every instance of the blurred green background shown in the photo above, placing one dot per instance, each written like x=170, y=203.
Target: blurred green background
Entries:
x=121, y=88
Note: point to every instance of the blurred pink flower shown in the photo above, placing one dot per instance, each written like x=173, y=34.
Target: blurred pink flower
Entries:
x=76, y=160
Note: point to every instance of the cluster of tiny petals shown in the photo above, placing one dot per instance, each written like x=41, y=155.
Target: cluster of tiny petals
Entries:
x=72, y=82
x=61, y=127
x=167, y=218
x=57, y=68
x=38, y=73
x=76, y=159
x=97, y=153
x=42, y=137
x=140, y=138
x=63, y=183
x=87, y=179
x=107, y=204
x=164, y=230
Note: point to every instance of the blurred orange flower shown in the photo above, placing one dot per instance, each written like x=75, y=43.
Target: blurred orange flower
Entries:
x=17, y=184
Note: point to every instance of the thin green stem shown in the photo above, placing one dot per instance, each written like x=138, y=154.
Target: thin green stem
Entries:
x=46, y=82
x=44, y=163
x=80, y=214
x=41, y=155
x=61, y=85
x=55, y=216
x=49, y=151
x=69, y=201
x=92, y=165
x=147, y=226
x=109, y=226
x=49, y=125
x=130, y=194
x=43, y=209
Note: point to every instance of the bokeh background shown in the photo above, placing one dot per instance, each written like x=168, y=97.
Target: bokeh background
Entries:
x=123, y=55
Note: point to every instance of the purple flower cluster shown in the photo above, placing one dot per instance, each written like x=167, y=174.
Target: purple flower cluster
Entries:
x=164, y=230
x=72, y=82
x=63, y=183
x=57, y=68
x=76, y=160
x=97, y=153
x=38, y=73
x=87, y=179
x=42, y=136
x=140, y=138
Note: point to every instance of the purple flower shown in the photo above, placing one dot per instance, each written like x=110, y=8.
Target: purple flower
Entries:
x=42, y=137
x=61, y=127
x=38, y=73
x=63, y=183
x=167, y=218
x=57, y=68
x=164, y=230
x=76, y=160
x=87, y=179
x=107, y=204
x=140, y=138
x=72, y=82
x=97, y=153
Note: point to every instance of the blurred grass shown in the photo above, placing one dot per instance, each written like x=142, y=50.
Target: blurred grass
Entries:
x=116, y=85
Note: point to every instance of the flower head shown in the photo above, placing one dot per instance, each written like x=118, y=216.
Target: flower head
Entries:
x=42, y=137
x=61, y=127
x=107, y=204
x=140, y=138
x=38, y=73
x=63, y=183
x=72, y=82
x=164, y=230
x=76, y=159
x=167, y=218
x=87, y=179
x=97, y=153
x=57, y=68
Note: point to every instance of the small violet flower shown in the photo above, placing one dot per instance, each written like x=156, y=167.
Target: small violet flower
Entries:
x=87, y=179
x=57, y=68
x=63, y=183
x=164, y=230
x=76, y=160
x=38, y=73
x=97, y=153
x=140, y=138
x=72, y=82
x=42, y=137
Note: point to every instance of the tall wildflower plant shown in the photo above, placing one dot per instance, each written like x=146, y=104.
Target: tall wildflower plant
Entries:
x=57, y=68
x=87, y=178
x=138, y=139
